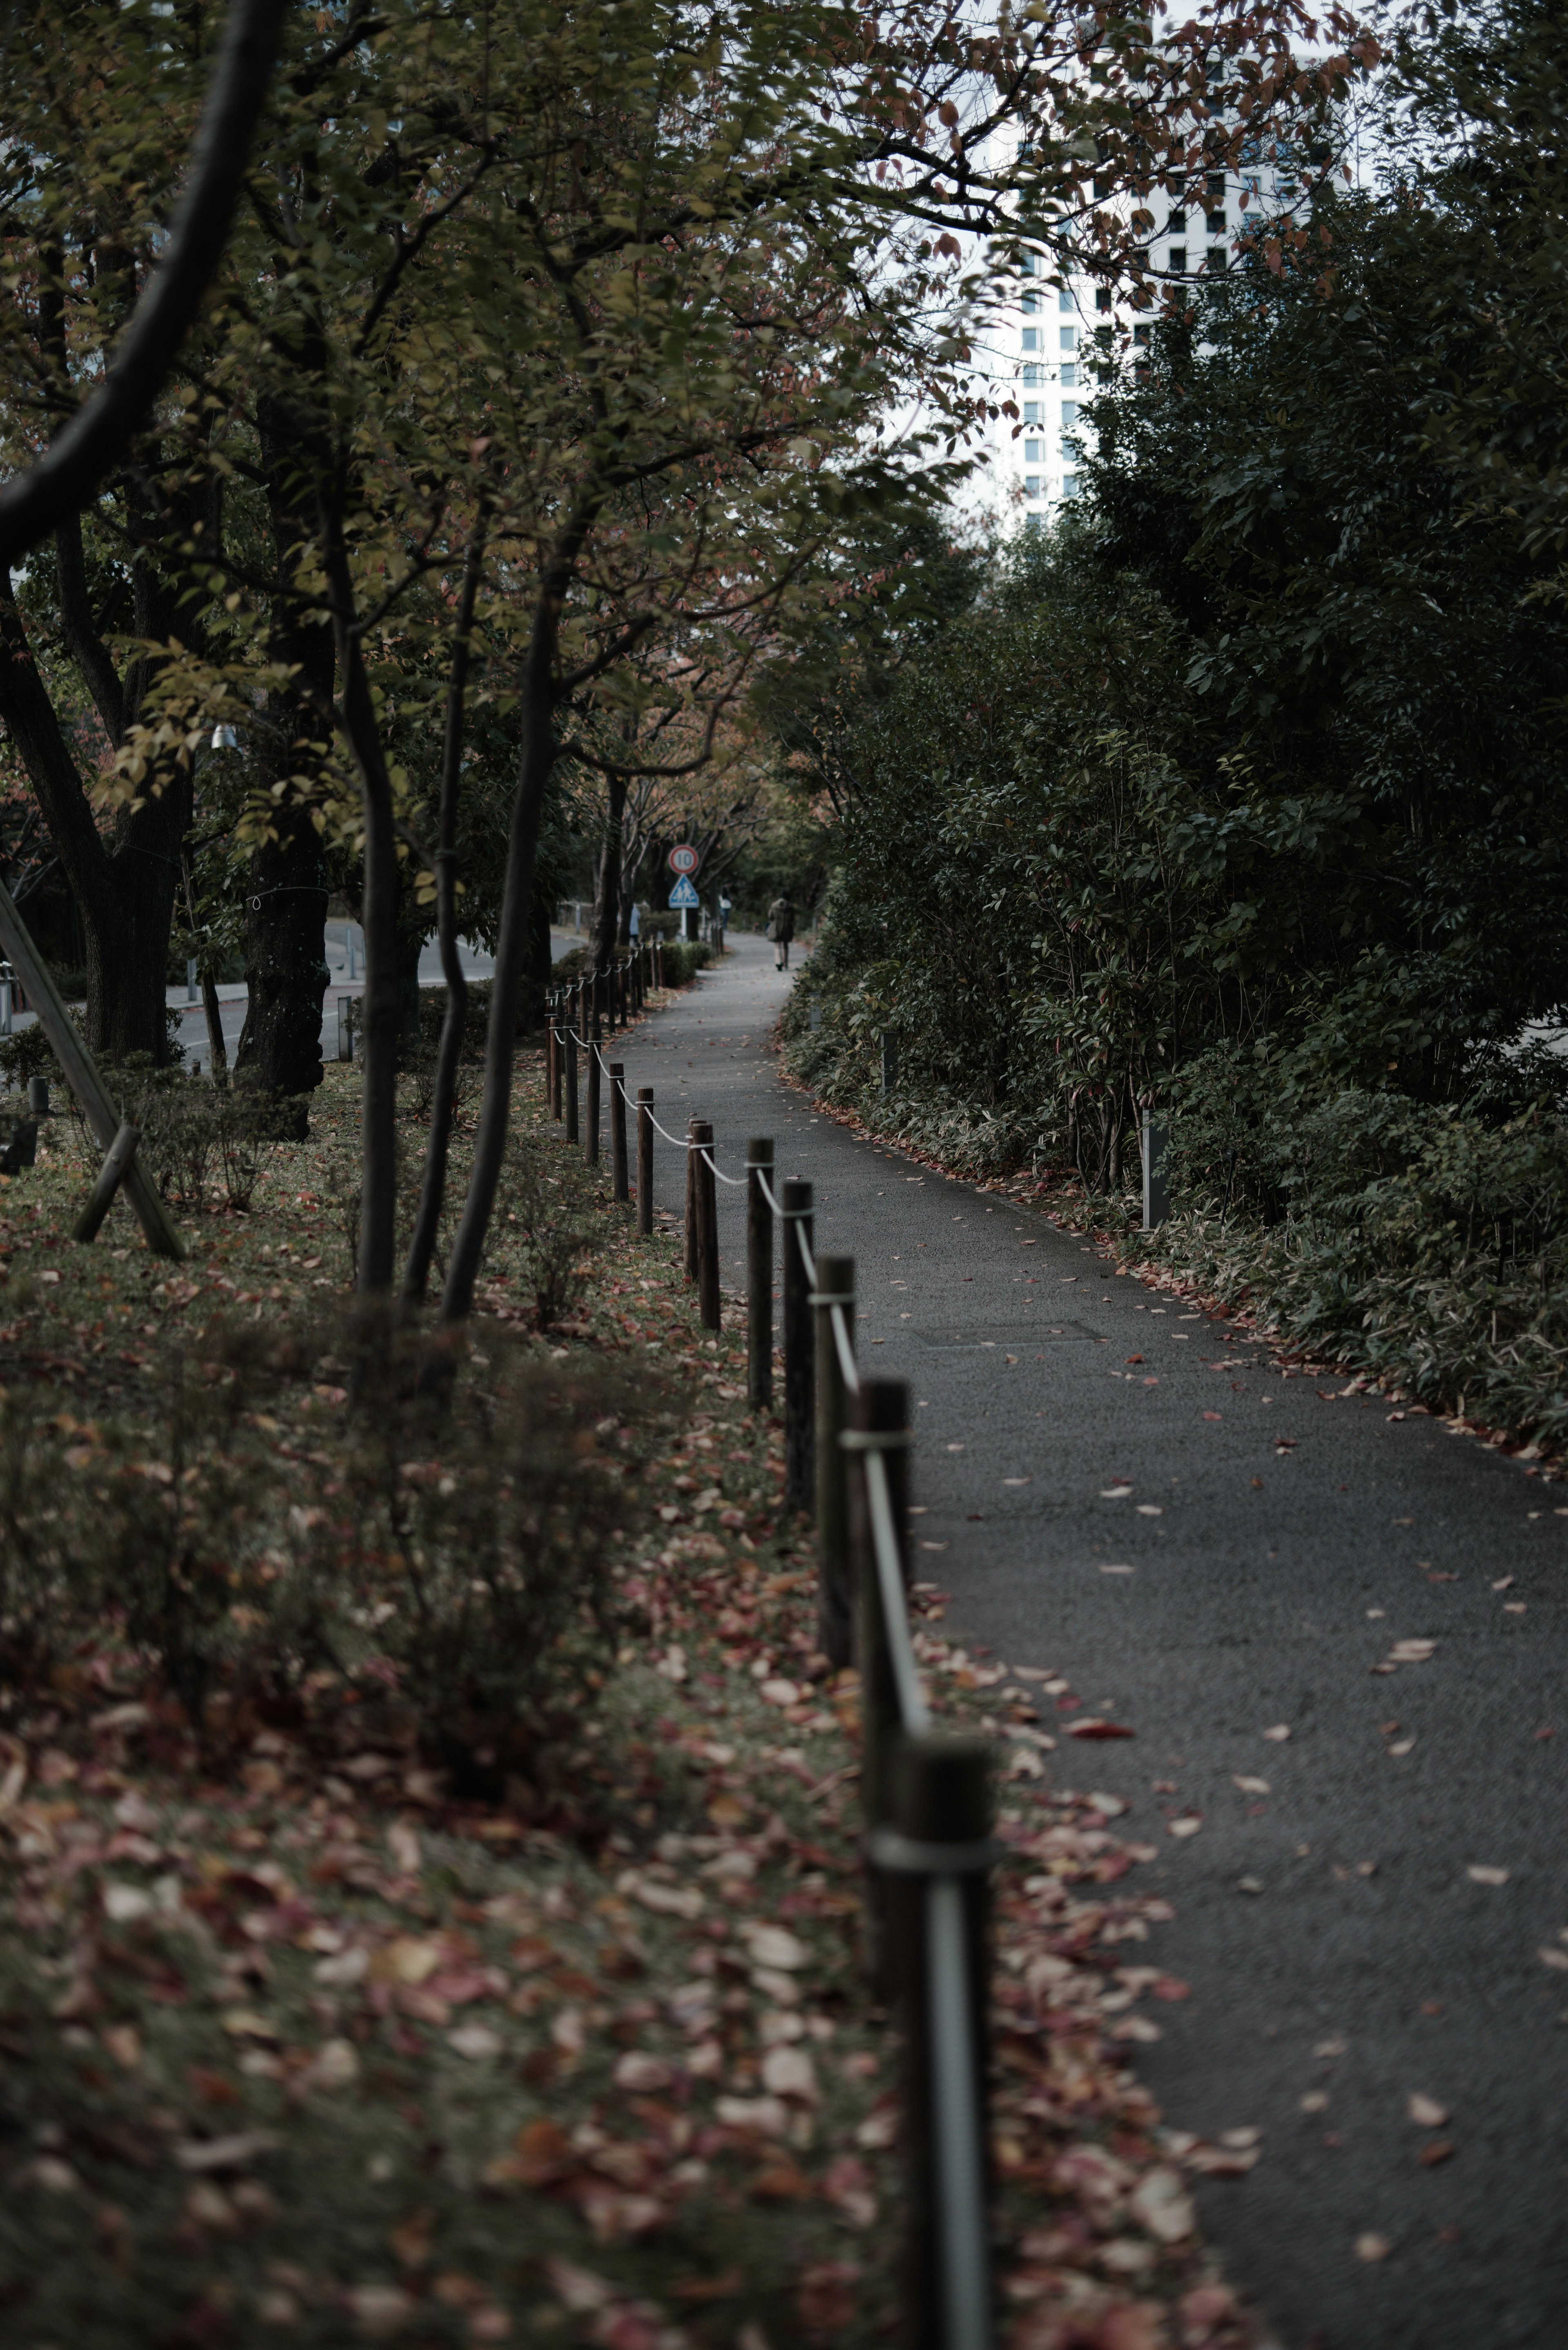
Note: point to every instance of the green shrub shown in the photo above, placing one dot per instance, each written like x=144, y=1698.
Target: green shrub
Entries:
x=683, y=959
x=304, y=1524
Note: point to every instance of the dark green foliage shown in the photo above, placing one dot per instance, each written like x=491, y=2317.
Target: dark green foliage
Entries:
x=683, y=959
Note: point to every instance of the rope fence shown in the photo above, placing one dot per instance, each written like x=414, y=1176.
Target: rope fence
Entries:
x=925, y=1794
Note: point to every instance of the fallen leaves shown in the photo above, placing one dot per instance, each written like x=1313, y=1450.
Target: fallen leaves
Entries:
x=1425, y=2112
x=1480, y=1872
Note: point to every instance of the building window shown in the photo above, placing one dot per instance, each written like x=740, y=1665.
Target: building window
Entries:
x=1069, y=338
x=1141, y=334
x=1032, y=453
x=1217, y=261
x=1031, y=375
x=1214, y=224
x=1176, y=263
x=1065, y=301
x=1031, y=412
x=1214, y=183
x=1070, y=485
x=1069, y=412
x=1102, y=297
x=1069, y=378
x=1030, y=339
x=1030, y=485
x=1031, y=304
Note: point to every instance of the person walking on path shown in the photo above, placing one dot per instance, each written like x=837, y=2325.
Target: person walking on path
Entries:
x=781, y=929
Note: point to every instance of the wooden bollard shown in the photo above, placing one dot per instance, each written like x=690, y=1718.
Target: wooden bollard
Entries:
x=940, y=1942
x=799, y=1349
x=552, y=1048
x=759, y=1275
x=691, y=1243
x=595, y=1076
x=112, y=1173
x=645, y=1161
x=569, y=1038
x=707, y=1190
x=878, y=1422
x=620, y=1188
x=834, y=1287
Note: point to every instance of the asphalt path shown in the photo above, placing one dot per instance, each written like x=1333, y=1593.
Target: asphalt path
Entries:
x=1209, y=1547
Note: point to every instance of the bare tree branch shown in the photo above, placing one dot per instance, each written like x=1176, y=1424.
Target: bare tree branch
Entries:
x=98, y=436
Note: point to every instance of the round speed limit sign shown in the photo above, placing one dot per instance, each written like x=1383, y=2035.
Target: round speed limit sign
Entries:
x=684, y=857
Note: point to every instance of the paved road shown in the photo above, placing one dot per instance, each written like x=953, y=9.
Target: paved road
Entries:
x=1342, y=1958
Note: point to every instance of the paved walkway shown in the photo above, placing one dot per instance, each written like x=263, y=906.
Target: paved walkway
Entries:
x=1207, y=1549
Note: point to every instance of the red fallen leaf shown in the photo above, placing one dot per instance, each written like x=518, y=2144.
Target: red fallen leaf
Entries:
x=1172, y=1987
x=782, y=2182
x=1439, y=2151
x=1094, y=1728
x=825, y=2295
x=1134, y=1358
x=1068, y=1704
x=718, y=2288
x=544, y=2154
x=1214, y=1415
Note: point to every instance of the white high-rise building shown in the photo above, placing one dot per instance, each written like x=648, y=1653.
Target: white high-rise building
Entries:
x=1049, y=346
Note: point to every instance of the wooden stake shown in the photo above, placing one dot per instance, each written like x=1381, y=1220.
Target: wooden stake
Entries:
x=645, y=1161
x=82, y=1074
x=759, y=1275
x=799, y=1334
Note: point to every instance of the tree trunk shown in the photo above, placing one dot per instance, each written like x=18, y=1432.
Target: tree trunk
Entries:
x=285, y=905
x=606, y=900
x=126, y=894
x=427, y=1222
x=538, y=756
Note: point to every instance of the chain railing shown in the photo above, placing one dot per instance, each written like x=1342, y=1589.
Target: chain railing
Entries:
x=925, y=1796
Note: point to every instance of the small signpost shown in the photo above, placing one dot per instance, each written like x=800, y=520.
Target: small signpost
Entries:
x=683, y=894
x=684, y=859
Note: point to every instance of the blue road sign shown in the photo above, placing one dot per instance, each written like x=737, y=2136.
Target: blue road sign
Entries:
x=683, y=894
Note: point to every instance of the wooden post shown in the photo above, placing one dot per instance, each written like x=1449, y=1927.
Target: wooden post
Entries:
x=552, y=1057
x=645, y=1161
x=622, y=984
x=835, y=1286
x=759, y=1275
x=122, y=1151
x=939, y=1939
x=1156, y=1137
x=620, y=1188
x=81, y=1073
x=591, y=1138
x=707, y=1188
x=659, y=965
x=570, y=1037
x=800, y=1484
x=879, y=1423
x=690, y=1201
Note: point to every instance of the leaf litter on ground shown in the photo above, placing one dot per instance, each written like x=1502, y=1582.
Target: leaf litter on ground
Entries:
x=297, y=2038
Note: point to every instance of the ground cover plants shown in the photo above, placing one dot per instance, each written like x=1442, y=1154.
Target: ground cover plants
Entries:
x=368, y=1970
